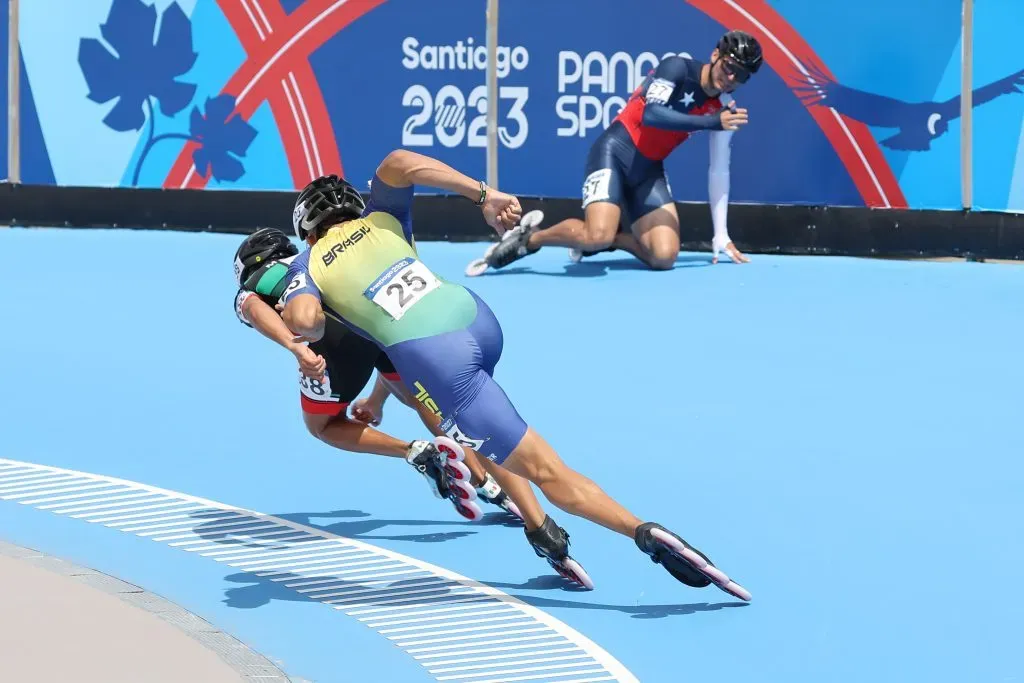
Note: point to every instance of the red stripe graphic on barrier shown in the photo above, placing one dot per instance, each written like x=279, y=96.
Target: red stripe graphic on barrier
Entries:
x=786, y=50
x=277, y=70
x=252, y=32
x=268, y=70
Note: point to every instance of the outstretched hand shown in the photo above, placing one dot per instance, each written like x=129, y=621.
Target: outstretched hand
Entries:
x=729, y=248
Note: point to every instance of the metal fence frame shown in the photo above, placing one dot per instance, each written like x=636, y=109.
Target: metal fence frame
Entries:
x=13, y=96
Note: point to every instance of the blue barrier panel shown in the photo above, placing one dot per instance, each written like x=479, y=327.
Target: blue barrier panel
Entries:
x=998, y=124
x=857, y=104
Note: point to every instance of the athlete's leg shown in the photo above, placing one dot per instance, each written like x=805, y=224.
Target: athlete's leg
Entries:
x=432, y=421
x=626, y=242
x=603, y=188
x=491, y=413
x=489, y=341
x=324, y=403
x=483, y=417
x=518, y=489
x=595, y=233
x=658, y=236
x=350, y=364
x=350, y=435
x=567, y=489
x=655, y=226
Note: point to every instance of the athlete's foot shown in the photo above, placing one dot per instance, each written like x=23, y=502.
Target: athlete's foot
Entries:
x=515, y=244
x=446, y=480
x=490, y=492
x=551, y=542
x=577, y=255
x=459, y=476
x=683, y=561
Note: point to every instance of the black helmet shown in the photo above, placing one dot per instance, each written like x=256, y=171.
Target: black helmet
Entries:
x=266, y=244
x=743, y=49
x=326, y=198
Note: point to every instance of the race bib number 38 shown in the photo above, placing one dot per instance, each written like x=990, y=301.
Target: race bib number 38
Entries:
x=317, y=390
x=402, y=286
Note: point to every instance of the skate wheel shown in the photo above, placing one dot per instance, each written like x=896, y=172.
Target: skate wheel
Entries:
x=456, y=470
x=451, y=449
x=469, y=510
x=532, y=219
x=574, y=572
x=477, y=267
x=463, y=491
x=717, y=576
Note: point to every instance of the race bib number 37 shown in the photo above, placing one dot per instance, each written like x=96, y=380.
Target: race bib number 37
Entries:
x=659, y=91
x=402, y=286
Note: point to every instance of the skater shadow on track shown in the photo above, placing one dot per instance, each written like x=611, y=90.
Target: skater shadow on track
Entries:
x=362, y=528
x=601, y=267
x=367, y=594
x=634, y=611
x=281, y=579
x=334, y=590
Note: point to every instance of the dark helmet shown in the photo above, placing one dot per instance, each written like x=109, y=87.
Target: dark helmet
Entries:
x=266, y=244
x=743, y=49
x=328, y=198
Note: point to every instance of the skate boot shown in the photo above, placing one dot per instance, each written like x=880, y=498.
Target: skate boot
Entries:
x=490, y=492
x=512, y=246
x=683, y=561
x=429, y=461
x=551, y=542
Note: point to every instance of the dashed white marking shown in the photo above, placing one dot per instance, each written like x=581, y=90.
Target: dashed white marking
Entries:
x=450, y=624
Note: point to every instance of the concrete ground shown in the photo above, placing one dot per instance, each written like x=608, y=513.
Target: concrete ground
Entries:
x=60, y=622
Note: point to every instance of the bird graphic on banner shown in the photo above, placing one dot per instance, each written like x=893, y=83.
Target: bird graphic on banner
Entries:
x=918, y=122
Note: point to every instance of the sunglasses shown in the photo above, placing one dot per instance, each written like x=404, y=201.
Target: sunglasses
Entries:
x=738, y=73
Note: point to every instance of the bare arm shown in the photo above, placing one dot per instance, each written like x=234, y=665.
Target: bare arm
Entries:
x=381, y=391
x=268, y=323
x=304, y=316
x=370, y=410
x=402, y=168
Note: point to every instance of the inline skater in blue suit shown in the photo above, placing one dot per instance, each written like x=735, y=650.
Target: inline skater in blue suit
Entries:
x=627, y=202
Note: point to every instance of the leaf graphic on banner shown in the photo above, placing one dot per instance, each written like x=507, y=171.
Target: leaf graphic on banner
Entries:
x=139, y=68
x=221, y=137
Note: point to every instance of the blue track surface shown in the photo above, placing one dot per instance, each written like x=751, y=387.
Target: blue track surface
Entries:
x=839, y=435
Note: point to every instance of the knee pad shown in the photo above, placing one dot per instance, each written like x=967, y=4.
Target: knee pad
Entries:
x=549, y=540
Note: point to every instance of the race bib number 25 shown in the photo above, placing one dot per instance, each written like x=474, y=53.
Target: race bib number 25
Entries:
x=402, y=286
